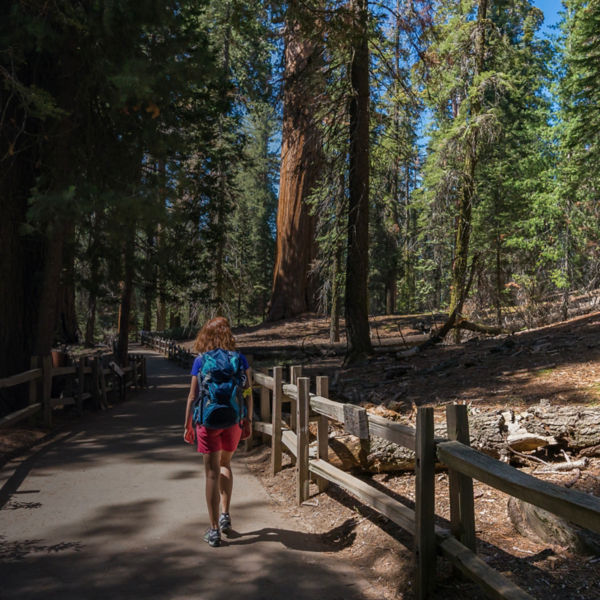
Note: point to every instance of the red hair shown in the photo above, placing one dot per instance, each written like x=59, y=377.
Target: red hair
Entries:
x=216, y=333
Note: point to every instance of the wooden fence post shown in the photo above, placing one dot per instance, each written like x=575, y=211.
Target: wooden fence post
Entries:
x=276, y=451
x=249, y=442
x=81, y=386
x=322, y=389
x=102, y=382
x=34, y=384
x=95, y=382
x=425, y=504
x=295, y=372
x=134, y=372
x=47, y=389
x=462, y=510
x=144, y=374
x=302, y=473
x=265, y=409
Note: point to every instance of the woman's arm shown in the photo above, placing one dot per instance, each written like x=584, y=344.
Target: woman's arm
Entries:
x=190, y=400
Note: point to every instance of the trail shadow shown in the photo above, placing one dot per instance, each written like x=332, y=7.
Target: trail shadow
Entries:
x=20, y=549
x=12, y=484
x=122, y=520
x=523, y=570
x=335, y=540
x=34, y=569
x=15, y=505
x=143, y=427
x=186, y=474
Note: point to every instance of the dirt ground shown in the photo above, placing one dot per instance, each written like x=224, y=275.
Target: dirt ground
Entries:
x=559, y=363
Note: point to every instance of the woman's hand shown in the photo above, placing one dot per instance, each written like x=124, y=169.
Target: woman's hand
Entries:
x=189, y=435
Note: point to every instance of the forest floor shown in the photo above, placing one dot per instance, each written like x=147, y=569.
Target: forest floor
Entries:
x=559, y=363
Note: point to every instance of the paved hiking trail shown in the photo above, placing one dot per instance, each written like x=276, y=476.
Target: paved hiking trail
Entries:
x=113, y=507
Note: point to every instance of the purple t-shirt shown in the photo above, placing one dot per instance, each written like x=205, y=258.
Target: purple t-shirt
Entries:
x=199, y=361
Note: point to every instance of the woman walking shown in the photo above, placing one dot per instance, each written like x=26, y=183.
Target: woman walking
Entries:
x=217, y=443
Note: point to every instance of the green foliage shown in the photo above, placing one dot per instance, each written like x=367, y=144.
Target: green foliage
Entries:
x=154, y=132
x=505, y=111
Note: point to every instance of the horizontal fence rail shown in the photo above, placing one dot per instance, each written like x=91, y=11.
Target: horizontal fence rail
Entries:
x=463, y=462
x=578, y=507
x=25, y=377
x=88, y=378
x=311, y=460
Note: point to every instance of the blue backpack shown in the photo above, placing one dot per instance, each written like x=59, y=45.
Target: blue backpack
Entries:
x=221, y=381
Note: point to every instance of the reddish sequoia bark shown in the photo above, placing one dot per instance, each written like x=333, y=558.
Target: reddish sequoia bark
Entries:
x=293, y=290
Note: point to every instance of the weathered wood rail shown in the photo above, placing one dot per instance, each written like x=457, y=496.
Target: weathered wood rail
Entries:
x=464, y=464
x=168, y=348
x=88, y=379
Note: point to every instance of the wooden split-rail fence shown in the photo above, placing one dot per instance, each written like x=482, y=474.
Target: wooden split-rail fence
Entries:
x=168, y=348
x=88, y=379
x=458, y=544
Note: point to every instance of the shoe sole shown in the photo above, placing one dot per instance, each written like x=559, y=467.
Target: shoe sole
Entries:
x=213, y=542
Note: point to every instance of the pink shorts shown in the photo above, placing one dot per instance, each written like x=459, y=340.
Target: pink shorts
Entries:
x=213, y=440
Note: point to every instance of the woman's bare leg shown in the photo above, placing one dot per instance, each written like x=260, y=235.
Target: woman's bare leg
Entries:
x=225, y=480
x=212, y=468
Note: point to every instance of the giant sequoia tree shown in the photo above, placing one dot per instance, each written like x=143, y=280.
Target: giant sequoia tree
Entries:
x=138, y=171
x=294, y=286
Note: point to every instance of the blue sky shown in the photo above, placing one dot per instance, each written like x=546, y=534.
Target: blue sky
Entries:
x=551, y=9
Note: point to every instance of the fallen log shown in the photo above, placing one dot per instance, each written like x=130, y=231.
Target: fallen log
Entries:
x=575, y=427
x=530, y=520
x=505, y=435
x=480, y=328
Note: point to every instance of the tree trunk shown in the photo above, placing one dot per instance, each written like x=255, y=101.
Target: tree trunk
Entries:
x=91, y=320
x=467, y=191
x=125, y=305
x=390, y=294
x=357, y=264
x=499, y=286
x=294, y=288
x=566, y=264
x=46, y=324
x=161, y=302
x=19, y=272
x=67, y=327
x=161, y=312
x=148, y=297
x=149, y=278
x=334, y=328
x=410, y=234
